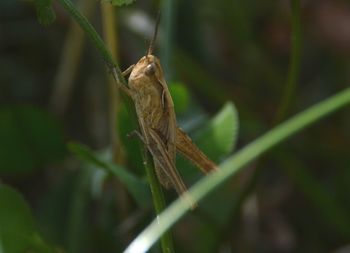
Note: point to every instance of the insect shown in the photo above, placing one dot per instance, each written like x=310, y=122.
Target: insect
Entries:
x=157, y=121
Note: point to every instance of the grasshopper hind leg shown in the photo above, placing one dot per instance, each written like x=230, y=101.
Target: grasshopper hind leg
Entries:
x=162, y=177
x=165, y=168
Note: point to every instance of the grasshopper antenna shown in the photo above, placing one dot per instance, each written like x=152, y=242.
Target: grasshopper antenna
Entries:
x=151, y=45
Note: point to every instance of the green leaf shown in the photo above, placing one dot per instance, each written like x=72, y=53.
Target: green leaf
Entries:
x=120, y=2
x=46, y=14
x=137, y=187
x=216, y=138
x=131, y=146
x=180, y=96
x=219, y=136
x=29, y=138
x=17, y=229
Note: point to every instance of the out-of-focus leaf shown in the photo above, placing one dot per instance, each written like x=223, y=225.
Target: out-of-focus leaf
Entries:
x=180, y=96
x=218, y=137
x=120, y=2
x=17, y=229
x=46, y=14
x=64, y=212
x=78, y=226
x=130, y=145
x=137, y=187
x=29, y=138
x=55, y=206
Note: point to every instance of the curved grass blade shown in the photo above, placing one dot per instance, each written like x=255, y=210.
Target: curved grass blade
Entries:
x=233, y=164
x=137, y=187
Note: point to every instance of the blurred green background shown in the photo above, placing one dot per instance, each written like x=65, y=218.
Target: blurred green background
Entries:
x=71, y=181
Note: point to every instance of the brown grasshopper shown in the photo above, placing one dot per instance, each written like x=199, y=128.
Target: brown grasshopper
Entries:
x=157, y=121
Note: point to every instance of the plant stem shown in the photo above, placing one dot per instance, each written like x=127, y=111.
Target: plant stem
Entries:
x=234, y=164
x=294, y=64
x=157, y=194
x=95, y=38
x=166, y=240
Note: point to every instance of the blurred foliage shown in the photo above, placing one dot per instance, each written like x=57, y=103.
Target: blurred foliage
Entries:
x=46, y=14
x=295, y=199
x=137, y=187
x=30, y=138
x=18, y=231
x=120, y=2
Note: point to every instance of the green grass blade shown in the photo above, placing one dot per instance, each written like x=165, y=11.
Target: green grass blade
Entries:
x=46, y=14
x=137, y=187
x=294, y=65
x=233, y=164
x=120, y=2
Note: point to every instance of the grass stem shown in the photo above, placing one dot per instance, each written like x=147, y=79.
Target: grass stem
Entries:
x=294, y=64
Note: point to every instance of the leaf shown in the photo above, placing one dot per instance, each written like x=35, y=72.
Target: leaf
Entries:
x=17, y=229
x=55, y=206
x=217, y=139
x=46, y=14
x=219, y=136
x=180, y=96
x=120, y=2
x=137, y=187
x=29, y=138
x=131, y=145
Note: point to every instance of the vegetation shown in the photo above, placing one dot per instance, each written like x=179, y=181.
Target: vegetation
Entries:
x=71, y=180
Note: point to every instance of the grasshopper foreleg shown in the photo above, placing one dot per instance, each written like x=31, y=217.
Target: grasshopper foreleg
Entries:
x=126, y=72
x=138, y=134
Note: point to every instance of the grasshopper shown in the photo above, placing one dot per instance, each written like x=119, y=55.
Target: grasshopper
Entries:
x=157, y=122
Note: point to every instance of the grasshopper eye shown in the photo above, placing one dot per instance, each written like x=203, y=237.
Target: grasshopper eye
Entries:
x=150, y=69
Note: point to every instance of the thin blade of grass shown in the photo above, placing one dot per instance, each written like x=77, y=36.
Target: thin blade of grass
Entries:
x=233, y=164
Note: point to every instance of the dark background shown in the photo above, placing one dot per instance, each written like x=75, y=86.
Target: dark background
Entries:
x=294, y=199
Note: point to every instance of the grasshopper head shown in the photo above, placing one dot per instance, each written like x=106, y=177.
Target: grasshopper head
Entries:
x=149, y=67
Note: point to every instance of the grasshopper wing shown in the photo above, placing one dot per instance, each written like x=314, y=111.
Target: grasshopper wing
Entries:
x=165, y=166
x=167, y=125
